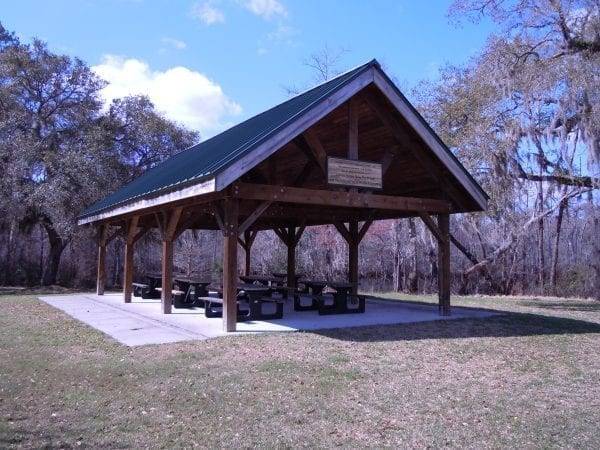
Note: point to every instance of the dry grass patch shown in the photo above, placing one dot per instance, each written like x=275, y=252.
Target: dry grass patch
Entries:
x=530, y=378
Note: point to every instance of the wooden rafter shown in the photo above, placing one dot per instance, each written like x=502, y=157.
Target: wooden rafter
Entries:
x=363, y=230
x=219, y=215
x=430, y=223
x=341, y=227
x=254, y=216
x=315, y=148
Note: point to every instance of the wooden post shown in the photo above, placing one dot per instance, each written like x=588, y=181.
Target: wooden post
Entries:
x=101, y=275
x=167, y=276
x=130, y=233
x=291, y=257
x=353, y=255
x=246, y=244
x=168, y=230
x=444, y=264
x=230, y=273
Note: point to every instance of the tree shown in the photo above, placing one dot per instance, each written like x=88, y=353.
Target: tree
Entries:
x=61, y=150
x=524, y=115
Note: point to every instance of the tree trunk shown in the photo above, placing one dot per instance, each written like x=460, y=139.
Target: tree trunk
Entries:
x=54, y=254
x=413, y=276
x=559, y=220
x=10, y=250
x=541, y=259
x=397, y=275
x=596, y=257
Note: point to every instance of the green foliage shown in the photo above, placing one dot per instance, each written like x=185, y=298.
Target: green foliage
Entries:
x=60, y=149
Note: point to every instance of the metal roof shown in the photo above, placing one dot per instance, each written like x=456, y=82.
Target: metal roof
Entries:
x=209, y=157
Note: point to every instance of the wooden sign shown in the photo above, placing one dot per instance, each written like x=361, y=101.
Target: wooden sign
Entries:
x=349, y=172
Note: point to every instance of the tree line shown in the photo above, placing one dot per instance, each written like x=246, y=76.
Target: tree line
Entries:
x=523, y=116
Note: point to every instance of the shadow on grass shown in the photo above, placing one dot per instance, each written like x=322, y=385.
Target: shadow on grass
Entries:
x=502, y=324
x=564, y=306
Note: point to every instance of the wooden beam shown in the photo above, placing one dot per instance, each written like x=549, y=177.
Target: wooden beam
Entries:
x=253, y=216
x=352, y=129
x=433, y=227
x=341, y=227
x=167, y=276
x=304, y=173
x=218, y=213
x=196, y=194
x=300, y=232
x=246, y=244
x=282, y=234
x=353, y=255
x=336, y=198
x=291, y=257
x=386, y=161
x=172, y=222
x=444, y=264
x=230, y=274
x=140, y=234
x=128, y=260
x=363, y=230
x=317, y=150
x=169, y=227
x=185, y=224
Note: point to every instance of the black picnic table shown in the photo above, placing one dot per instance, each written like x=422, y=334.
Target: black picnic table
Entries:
x=256, y=296
x=186, y=284
x=264, y=280
x=341, y=298
x=283, y=276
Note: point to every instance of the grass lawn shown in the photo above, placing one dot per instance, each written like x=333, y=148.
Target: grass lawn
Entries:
x=529, y=378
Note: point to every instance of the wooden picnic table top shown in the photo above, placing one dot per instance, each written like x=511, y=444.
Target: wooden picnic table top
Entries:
x=284, y=275
x=341, y=284
x=244, y=287
x=260, y=278
x=154, y=275
x=316, y=282
x=192, y=280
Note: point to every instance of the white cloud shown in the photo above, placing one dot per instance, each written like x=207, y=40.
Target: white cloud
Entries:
x=207, y=13
x=175, y=43
x=181, y=94
x=266, y=9
x=283, y=33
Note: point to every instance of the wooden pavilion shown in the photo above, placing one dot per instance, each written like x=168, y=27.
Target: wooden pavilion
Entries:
x=347, y=152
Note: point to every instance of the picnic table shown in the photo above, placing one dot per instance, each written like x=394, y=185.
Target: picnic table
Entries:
x=314, y=290
x=341, y=299
x=257, y=296
x=264, y=280
x=148, y=289
x=199, y=287
x=283, y=276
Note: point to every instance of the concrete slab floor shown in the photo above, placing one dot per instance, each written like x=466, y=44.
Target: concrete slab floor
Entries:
x=141, y=322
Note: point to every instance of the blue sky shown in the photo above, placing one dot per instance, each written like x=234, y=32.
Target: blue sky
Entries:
x=212, y=63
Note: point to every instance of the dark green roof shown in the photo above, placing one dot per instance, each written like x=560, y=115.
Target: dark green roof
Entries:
x=206, y=159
